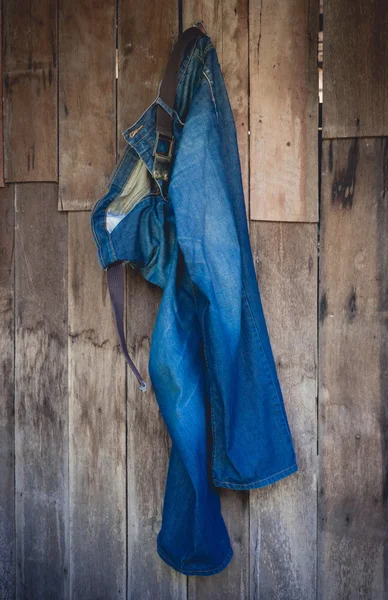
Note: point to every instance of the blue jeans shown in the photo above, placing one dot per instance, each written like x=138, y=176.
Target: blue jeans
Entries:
x=211, y=363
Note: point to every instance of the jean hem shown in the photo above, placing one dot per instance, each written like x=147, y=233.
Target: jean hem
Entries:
x=200, y=572
x=259, y=483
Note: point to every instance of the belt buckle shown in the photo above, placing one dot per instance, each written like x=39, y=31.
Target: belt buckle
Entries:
x=162, y=160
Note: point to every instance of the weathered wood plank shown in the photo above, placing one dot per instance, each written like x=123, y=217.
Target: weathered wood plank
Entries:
x=97, y=427
x=146, y=35
x=30, y=90
x=353, y=391
x=227, y=26
x=1, y=102
x=355, y=81
x=147, y=32
x=41, y=393
x=283, y=110
x=283, y=516
x=7, y=421
x=87, y=100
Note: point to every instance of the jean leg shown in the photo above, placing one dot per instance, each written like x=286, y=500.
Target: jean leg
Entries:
x=193, y=538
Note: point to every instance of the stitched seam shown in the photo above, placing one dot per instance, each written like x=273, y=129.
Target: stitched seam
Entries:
x=202, y=319
x=211, y=398
x=117, y=167
x=266, y=359
x=259, y=480
x=191, y=54
x=211, y=90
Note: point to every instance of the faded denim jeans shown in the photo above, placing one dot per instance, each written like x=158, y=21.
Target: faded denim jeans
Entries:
x=211, y=363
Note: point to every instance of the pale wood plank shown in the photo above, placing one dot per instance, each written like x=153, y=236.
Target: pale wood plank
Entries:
x=146, y=35
x=283, y=516
x=7, y=408
x=355, y=81
x=41, y=393
x=353, y=389
x=97, y=427
x=87, y=100
x=30, y=90
x=227, y=26
x=283, y=110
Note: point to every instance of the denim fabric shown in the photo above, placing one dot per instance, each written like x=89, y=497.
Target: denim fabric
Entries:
x=211, y=363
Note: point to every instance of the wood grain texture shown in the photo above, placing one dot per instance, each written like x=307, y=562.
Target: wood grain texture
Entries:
x=1, y=102
x=97, y=424
x=30, y=90
x=283, y=516
x=355, y=81
x=7, y=408
x=227, y=26
x=147, y=32
x=41, y=393
x=146, y=35
x=283, y=110
x=353, y=409
x=87, y=101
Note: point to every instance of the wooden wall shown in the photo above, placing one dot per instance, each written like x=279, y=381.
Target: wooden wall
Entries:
x=83, y=454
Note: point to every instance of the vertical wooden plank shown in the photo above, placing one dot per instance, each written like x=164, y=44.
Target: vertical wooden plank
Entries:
x=227, y=25
x=353, y=391
x=146, y=35
x=41, y=393
x=283, y=516
x=147, y=32
x=355, y=82
x=283, y=110
x=7, y=409
x=97, y=427
x=30, y=90
x=87, y=100
x=1, y=99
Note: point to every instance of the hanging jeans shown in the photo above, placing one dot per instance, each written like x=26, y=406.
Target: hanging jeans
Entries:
x=211, y=363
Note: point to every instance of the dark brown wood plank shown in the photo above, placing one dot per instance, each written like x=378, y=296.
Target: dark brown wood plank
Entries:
x=283, y=516
x=87, y=100
x=284, y=110
x=146, y=35
x=7, y=408
x=227, y=26
x=355, y=81
x=353, y=390
x=1, y=101
x=30, y=90
x=41, y=393
x=97, y=427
